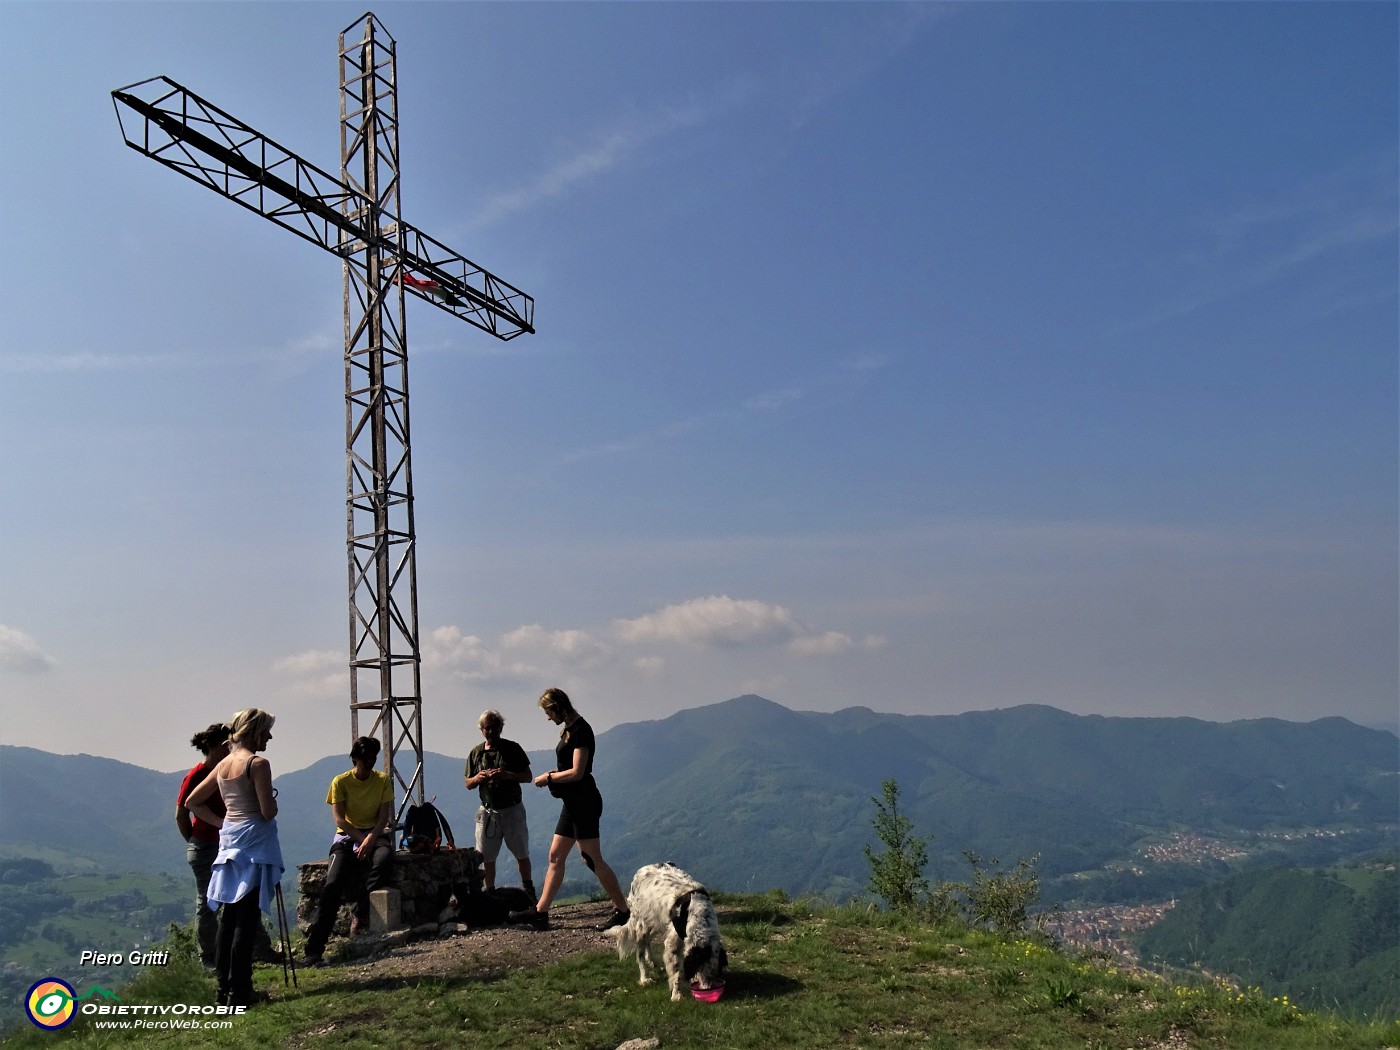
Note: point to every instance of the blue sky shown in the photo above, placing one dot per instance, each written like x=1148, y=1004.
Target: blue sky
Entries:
x=928, y=358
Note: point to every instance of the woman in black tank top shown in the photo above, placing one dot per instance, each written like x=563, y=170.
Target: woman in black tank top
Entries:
x=581, y=806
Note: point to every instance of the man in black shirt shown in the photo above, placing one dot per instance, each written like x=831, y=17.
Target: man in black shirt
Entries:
x=497, y=767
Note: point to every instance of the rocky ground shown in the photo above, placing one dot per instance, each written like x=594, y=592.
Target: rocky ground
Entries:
x=573, y=930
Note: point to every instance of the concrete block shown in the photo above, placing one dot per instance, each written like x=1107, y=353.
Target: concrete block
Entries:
x=385, y=911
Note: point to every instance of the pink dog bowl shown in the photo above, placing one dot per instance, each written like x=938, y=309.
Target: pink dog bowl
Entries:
x=707, y=995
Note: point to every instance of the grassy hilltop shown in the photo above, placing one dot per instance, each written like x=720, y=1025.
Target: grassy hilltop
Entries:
x=802, y=975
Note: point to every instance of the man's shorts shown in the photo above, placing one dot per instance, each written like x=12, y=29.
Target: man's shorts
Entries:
x=494, y=826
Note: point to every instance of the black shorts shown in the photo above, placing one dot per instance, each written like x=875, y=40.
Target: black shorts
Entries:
x=580, y=813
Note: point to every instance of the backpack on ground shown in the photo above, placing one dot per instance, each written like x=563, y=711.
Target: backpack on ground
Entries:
x=425, y=828
x=479, y=907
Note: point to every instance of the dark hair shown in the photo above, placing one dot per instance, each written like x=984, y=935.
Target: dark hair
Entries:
x=208, y=739
x=366, y=748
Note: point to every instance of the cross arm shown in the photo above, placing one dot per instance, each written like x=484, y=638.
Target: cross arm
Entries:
x=199, y=140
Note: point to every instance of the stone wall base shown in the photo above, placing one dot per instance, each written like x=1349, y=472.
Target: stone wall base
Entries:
x=423, y=885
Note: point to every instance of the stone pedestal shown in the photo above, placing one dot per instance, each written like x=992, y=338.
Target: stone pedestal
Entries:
x=423, y=884
x=385, y=911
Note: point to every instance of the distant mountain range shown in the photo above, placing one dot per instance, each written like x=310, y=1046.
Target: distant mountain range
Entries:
x=747, y=794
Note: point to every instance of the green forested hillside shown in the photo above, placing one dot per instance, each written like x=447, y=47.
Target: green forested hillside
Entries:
x=1329, y=938
x=85, y=813
x=754, y=794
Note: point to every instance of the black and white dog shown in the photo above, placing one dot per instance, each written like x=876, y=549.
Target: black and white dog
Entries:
x=668, y=904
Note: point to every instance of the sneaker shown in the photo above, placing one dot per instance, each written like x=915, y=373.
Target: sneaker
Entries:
x=530, y=917
x=618, y=918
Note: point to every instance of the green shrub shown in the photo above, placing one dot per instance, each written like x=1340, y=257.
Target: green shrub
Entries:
x=897, y=874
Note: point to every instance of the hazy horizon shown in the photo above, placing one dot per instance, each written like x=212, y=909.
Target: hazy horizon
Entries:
x=1393, y=729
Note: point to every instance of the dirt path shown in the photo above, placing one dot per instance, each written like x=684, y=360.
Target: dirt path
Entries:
x=573, y=931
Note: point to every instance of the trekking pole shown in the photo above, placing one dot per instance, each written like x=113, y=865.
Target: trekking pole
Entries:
x=281, y=930
x=285, y=932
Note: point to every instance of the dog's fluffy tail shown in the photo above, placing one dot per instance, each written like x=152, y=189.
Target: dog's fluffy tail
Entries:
x=626, y=938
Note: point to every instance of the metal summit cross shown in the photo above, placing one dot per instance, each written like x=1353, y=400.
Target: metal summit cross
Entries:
x=355, y=217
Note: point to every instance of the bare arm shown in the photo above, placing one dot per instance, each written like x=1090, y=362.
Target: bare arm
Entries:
x=182, y=821
x=261, y=771
x=366, y=846
x=197, y=800
x=567, y=776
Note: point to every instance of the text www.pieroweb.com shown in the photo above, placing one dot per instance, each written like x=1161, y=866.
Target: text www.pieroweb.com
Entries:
x=157, y=1018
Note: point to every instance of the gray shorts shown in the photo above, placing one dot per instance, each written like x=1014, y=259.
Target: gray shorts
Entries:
x=494, y=826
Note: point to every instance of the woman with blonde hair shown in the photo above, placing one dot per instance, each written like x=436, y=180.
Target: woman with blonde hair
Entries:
x=571, y=782
x=249, y=865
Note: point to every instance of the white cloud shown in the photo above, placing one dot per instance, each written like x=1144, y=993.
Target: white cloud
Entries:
x=21, y=653
x=467, y=658
x=649, y=665
x=1261, y=241
x=830, y=642
x=821, y=644
x=311, y=661
x=315, y=674
x=324, y=687
x=834, y=382
x=716, y=620
x=610, y=150
x=720, y=620
x=571, y=645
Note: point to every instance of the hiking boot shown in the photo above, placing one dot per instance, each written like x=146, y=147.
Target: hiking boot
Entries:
x=313, y=962
x=266, y=953
x=618, y=918
x=539, y=920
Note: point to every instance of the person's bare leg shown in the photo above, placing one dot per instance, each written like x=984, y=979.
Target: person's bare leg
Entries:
x=554, y=874
x=592, y=854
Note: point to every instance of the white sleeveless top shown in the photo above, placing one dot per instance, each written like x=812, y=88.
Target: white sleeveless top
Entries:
x=240, y=796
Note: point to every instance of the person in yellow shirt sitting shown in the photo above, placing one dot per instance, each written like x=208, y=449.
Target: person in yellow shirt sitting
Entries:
x=362, y=852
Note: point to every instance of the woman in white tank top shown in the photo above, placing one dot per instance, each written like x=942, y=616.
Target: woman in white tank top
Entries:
x=249, y=865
